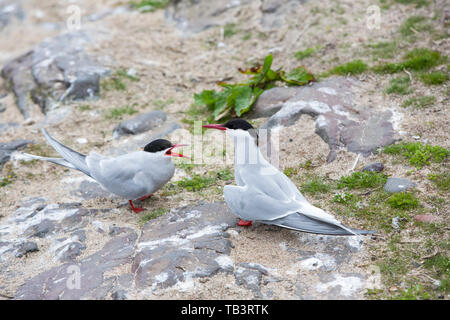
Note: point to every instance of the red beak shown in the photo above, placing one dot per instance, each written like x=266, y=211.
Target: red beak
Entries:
x=174, y=154
x=215, y=126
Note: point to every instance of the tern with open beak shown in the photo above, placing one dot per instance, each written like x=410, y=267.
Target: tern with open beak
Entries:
x=264, y=194
x=132, y=176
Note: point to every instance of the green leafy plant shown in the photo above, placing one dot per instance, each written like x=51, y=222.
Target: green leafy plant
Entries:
x=315, y=185
x=343, y=198
x=195, y=182
x=403, y=201
x=237, y=99
x=418, y=154
x=360, y=180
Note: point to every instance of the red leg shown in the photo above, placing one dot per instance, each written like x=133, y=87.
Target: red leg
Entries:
x=135, y=210
x=244, y=223
x=145, y=197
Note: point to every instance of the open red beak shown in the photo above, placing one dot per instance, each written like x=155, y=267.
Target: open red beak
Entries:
x=174, y=154
x=215, y=126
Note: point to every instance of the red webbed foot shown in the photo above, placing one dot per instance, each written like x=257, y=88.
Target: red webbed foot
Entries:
x=135, y=210
x=244, y=223
x=145, y=197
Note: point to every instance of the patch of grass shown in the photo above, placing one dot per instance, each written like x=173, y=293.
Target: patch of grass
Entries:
x=302, y=54
x=147, y=216
x=42, y=150
x=441, y=180
x=161, y=104
x=118, y=113
x=230, y=29
x=418, y=3
x=419, y=102
x=84, y=107
x=195, y=182
x=343, y=198
x=315, y=185
x=403, y=201
x=117, y=80
x=362, y=180
x=417, y=153
x=418, y=59
x=150, y=5
x=399, y=86
x=434, y=78
x=225, y=174
x=352, y=68
x=289, y=172
x=383, y=50
x=417, y=23
x=416, y=292
x=7, y=180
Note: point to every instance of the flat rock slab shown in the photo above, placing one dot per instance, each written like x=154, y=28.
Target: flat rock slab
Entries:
x=196, y=16
x=85, y=279
x=56, y=70
x=141, y=123
x=398, y=185
x=339, y=121
x=184, y=244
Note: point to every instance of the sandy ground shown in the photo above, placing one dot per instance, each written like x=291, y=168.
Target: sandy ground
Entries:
x=173, y=66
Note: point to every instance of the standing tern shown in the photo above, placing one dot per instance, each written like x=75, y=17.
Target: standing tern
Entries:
x=134, y=175
x=265, y=194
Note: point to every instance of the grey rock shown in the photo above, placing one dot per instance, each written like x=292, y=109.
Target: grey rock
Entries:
x=271, y=101
x=55, y=71
x=90, y=190
x=119, y=295
x=398, y=185
x=10, y=10
x=196, y=16
x=339, y=122
x=70, y=251
x=141, y=123
x=6, y=126
x=58, y=282
x=188, y=242
x=274, y=12
x=373, y=167
x=25, y=248
x=250, y=278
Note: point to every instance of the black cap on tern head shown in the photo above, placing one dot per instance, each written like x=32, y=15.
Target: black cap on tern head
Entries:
x=238, y=124
x=158, y=145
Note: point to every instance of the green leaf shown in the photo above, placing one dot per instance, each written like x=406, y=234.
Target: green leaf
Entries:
x=267, y=64
x=243, y=100
x=221, y=103
x=298, y=76
x=206, y=97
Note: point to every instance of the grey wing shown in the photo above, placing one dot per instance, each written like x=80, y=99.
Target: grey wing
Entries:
x=75, y=158
x=120, y=175
x=300, y=222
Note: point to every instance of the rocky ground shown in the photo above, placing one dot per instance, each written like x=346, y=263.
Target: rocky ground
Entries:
x=128, y=75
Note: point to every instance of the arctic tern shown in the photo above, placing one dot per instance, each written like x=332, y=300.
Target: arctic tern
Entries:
x=264, y=194
x=133, y=176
